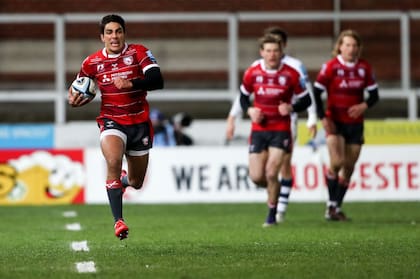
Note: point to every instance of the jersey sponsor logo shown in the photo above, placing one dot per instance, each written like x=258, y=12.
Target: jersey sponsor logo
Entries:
x=343, y=84
x=351, y=84
x=106, y=79
x=269, y=91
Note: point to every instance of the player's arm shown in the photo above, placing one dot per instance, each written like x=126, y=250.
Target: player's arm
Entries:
x=302, y=103
x=152, y=80
x=357, y=110
x=235, y=111
x=244, y=101
x=318, y=102
x=373, y=97
x=312, y=116
x=327, y=123
x=77, y=100
x=254, y=113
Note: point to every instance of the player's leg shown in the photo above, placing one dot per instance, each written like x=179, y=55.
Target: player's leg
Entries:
x=274, y=162
x=256, y=168
x=137, y=168
x=352, y=155
x=113, y=146
x=286, y=183
x=336, y=150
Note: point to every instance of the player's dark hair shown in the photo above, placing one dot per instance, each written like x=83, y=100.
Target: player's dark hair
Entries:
x=275, y=30
x=111, y=18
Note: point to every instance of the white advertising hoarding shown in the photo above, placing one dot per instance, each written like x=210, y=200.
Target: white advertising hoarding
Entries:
x=219, y=174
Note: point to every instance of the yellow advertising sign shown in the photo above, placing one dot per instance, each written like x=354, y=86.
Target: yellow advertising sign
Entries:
x=377, y=132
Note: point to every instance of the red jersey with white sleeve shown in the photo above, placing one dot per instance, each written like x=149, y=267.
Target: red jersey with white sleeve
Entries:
x=124, y=106
x=270, y=89
x=345, y=84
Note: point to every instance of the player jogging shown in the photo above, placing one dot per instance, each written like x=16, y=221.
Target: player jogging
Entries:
x=345, y=79
x=286, y=177
x=273, y=85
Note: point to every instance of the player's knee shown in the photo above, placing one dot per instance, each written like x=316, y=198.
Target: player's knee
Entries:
x=258, y=179
x=136, y=183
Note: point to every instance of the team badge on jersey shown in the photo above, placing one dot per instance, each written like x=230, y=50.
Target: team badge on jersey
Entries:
x=100, y=67
x=361, y=72
x=128, y=60
x=282, y=80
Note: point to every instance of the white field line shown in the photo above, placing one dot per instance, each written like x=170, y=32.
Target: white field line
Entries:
x=73, y=227
x=80, y=246
x=70, y=214
x=86, y=267
x=81, y=267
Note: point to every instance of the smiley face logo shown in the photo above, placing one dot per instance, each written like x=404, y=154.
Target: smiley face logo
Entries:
x=7, y=179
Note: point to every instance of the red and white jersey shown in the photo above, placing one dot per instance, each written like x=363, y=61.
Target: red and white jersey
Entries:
x=345, y=84
x=124, y=106
x=270, y=88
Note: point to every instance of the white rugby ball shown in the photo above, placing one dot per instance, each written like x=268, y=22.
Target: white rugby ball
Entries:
x=85, y=86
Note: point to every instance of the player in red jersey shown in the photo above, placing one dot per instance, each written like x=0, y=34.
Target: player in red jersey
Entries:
x=345, y=78
x=273, y=84
x=124, y=73
x=286, y=177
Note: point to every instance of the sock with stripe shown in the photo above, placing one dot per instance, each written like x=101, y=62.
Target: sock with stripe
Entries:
x=285, y=189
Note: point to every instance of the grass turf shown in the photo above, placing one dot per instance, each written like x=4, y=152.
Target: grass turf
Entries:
x=213, y=241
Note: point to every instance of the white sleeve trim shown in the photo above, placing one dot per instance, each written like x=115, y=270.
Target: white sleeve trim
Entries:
x=371, y=87
x=319, y=85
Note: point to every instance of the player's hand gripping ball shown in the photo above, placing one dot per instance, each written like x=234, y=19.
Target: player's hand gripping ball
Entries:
x=85, y=86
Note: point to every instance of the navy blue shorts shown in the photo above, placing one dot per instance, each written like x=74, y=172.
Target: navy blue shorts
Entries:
x=262, y=140
x=137, y=137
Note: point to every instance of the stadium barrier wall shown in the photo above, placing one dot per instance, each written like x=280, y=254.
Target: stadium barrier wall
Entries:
x=206, y=174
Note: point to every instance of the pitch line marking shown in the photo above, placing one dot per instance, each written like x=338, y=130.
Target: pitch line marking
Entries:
x=70, y=214
x=74, y=227
x=80, y=246
x=86, y=267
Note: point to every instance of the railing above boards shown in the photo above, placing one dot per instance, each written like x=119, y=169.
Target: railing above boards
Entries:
x=58, y=96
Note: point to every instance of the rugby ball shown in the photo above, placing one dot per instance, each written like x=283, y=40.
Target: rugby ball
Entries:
x=85, y=86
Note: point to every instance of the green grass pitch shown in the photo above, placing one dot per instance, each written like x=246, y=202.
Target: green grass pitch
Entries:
x=213, y=241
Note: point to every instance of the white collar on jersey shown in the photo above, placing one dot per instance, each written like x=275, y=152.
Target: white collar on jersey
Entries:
x=270, y=71
x=348, y=64
x=112, y=55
